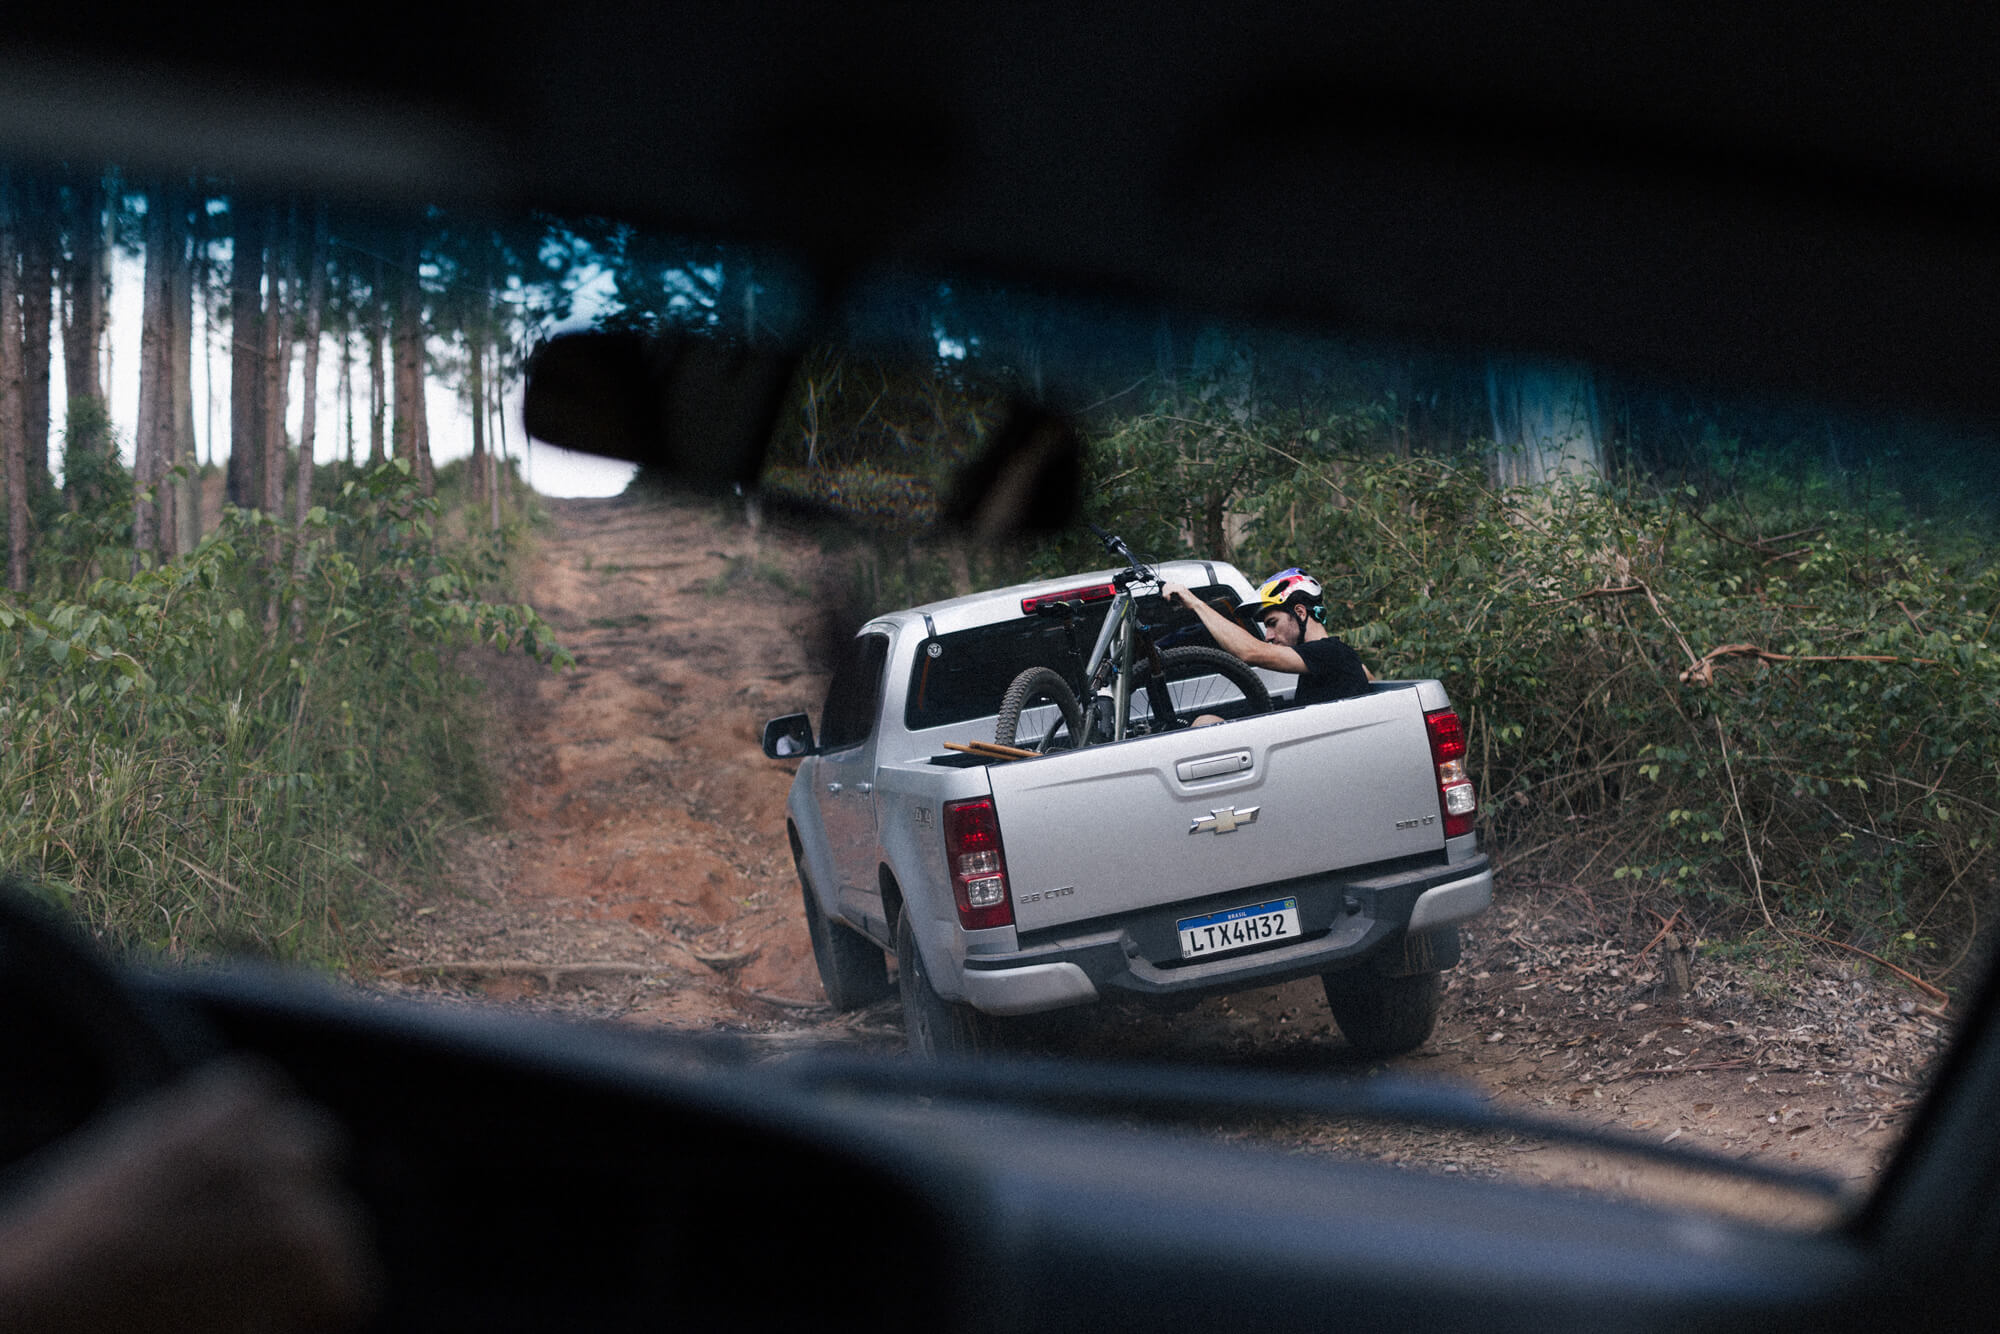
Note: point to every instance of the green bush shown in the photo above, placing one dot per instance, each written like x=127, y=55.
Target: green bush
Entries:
x=231, y=752
x=1768, y=708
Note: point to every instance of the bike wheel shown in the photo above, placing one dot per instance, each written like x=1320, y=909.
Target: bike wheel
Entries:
x=1039, y=712
x=1193, y=682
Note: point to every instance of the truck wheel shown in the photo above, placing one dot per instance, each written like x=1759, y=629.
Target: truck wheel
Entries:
x=1384, y=1016
x=1035, y=688
x=852, y=969
x=933, y=1026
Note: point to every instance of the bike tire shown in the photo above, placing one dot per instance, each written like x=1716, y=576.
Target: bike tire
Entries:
x=1202, y=680
x=1034, y=688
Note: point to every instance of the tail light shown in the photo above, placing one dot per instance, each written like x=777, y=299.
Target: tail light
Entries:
x=1456, y=799
x=978, y=865
x=1092, y=593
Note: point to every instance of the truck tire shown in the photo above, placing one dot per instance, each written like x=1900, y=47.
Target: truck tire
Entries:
x=1199, y=680
x=1384, y=1016
x=852, y=969
x=1034, y=688
x=933, y=1026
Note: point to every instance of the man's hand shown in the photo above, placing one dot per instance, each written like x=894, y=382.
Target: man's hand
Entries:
x=211, y=1206
x=1233, y=638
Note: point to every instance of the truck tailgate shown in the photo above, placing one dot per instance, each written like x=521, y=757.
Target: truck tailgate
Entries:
x=1155, y=820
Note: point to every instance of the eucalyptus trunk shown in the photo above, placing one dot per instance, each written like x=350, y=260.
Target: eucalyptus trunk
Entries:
x=378, y=379
x=493, y=452
x=308, y=411
x=344, y=391
x=475, y=391
x=412, y=435
x=186, y=485
x=37, y=226
x=152, y=437
x=378, y=399
x=13, y=440
x=87, y=429
x=277, y=359
x=1545, y=424
x=246, y=357
x=309, y=384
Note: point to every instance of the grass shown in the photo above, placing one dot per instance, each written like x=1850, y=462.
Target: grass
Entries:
x=226, y=754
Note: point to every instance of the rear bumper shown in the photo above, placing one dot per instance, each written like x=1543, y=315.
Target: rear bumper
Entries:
x=1401, y=922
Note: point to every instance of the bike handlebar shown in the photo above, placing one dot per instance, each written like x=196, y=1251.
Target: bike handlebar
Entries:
x=1116, y=546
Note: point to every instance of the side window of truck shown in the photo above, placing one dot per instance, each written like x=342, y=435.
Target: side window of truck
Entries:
x=856, y=689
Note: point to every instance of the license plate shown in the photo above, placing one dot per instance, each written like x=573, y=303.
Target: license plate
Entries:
x=1239, y=928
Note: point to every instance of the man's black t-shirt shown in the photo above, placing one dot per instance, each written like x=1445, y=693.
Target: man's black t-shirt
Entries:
x=1333, y=671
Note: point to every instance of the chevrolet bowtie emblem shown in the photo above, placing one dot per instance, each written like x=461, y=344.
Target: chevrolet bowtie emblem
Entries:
x=1225, y=821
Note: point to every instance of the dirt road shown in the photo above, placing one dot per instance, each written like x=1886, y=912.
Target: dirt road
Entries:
x=640, y=872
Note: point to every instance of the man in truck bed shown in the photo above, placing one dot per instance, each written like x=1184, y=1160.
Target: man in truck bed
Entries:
x=1290, y=606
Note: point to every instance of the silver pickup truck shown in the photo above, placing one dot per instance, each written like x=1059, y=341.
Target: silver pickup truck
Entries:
x=1334, y=839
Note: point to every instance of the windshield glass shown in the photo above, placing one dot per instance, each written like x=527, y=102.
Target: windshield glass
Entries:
x=1650, y=789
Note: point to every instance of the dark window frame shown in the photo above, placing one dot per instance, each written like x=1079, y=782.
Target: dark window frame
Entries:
x=854, y=696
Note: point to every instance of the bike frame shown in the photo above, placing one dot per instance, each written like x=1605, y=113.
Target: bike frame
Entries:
x=1117, y=629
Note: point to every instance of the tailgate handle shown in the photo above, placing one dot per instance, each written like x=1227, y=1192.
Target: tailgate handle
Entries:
x=1215, y=766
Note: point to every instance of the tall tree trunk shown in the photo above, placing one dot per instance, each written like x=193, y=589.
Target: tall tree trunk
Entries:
x=1545, y=423
x=277, y=365
x=86, y=430
x=378, y=399
x=378, y=382
x=153, y=433
x=402, y=424
x=492, y=455
x=308, y=409
x=412, y=435
x=475, y=346
x=246, y=356
x=186, y=486
x=39, y=232
x=203, y=275
x=309, y=382
x=345, y=392
x=503, y=460
x=277, y=374
x=426, y=473
x=13, y=440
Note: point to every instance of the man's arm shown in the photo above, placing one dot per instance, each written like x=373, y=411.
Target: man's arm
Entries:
x=1233, y=638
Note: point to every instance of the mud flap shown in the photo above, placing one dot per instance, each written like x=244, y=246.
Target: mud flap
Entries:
x=1422, y=952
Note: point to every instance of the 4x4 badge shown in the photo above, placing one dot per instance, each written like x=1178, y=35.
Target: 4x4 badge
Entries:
x=1225, y=821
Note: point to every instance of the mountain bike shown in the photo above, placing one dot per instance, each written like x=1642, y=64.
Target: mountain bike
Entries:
x=1127, y=685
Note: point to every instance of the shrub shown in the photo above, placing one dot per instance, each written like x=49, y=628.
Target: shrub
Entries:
x=1770, y=707
x=227, y=752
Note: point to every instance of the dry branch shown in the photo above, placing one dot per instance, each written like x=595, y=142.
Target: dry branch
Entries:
x=1592, y=593
x=555, y=975
x=1763, y=548
x=1702, y=673
x=1935, y=993
x=1665, y=926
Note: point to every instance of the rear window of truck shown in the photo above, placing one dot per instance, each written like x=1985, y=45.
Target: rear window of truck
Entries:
x=961, y=676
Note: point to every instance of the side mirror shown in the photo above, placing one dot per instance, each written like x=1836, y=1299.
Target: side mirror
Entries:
x=789, y=737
